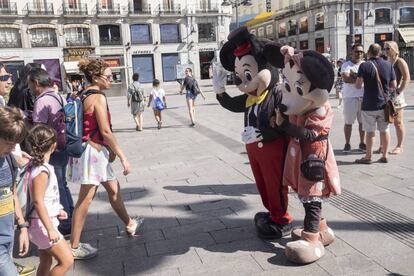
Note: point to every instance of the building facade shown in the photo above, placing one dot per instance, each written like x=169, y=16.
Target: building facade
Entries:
x=323, y=25
x=152, y=37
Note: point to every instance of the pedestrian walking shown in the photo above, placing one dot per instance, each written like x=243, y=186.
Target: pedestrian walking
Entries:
x=93, y=168
x=192, y=90
x=157, y=101
x=136, y=100
x=352, y=97
x=378, y=77
x=45, y=211
x=46, y=111
x=5, y=83
x=402, y=75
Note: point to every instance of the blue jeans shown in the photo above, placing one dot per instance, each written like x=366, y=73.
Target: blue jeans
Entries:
x=7, y=267
x=59, y=161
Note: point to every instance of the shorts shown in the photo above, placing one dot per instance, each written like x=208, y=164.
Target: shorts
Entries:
x=38, y=233
x=352, y=110
x=137, y=107
x=92, y=167
x=190, y=95
x=374, y=120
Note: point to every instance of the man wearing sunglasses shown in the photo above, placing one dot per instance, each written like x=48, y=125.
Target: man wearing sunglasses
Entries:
x=5, y=83
x=352, y=97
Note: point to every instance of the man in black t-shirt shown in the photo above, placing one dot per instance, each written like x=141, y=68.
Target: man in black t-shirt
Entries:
x=373, y=102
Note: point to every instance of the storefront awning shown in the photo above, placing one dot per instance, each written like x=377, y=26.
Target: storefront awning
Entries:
x=407, y=34
x=71, y=67
x=260, y=18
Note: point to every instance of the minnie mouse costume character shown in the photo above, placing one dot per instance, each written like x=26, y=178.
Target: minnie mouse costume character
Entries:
x=310, y=168
x=265, y=145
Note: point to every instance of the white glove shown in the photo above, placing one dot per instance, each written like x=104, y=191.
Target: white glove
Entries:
x=251, y=135
x=219, y=78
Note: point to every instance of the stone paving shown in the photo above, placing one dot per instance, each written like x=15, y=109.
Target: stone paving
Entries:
x=195, y=189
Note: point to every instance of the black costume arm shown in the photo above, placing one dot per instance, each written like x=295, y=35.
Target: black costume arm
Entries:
x=234, y=104
x=301, y=133
x=270, y=133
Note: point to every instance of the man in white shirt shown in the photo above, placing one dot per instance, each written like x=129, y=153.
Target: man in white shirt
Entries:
x=352, y=97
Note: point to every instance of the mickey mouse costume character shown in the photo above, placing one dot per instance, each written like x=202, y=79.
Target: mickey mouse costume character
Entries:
x=265, y=145
x=310, y=168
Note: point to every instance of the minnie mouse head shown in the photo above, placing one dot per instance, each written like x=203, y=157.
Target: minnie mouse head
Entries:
x=243, y=55
x=308, y=78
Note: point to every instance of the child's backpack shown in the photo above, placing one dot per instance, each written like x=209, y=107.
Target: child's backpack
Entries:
x=159, y=104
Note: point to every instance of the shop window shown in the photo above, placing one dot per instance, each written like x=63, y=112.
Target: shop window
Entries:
x=319, y=21
x=303, y=45
x=406, y=15
x=382, y=16
x=206, y=32
x=303, y=25
x=282, y=30
x=109, y=35
x=357, y=18
x=320, y=45
x=77, y=37
x=140, y=34
x=169, y=62
x=10, y=38
x=144, y=64
x=381, y=38
x=169, y=33
x=43, y=37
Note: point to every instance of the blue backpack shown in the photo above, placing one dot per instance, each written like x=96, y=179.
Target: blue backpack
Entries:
x=74, y=127
x=159, y=104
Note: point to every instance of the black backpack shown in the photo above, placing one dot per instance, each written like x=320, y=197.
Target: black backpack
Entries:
x=138, y=94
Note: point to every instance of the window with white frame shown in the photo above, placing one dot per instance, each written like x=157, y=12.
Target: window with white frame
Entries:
x=357, y=18
x=319, y=21
x=140, y=34
x=169, y=33
x=382, y=16
x=206, y=32
x=43, y=37
x=77, y=36
x=10, y=38
x=407, y=15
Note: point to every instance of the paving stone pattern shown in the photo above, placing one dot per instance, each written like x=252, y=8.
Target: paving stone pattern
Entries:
x=195, y=189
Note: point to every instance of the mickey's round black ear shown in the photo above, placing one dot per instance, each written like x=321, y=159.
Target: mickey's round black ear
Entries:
x=318, y=70
x=227, y=56
x=273, y=55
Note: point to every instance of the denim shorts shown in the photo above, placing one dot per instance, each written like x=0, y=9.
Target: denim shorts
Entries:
x=190, y=95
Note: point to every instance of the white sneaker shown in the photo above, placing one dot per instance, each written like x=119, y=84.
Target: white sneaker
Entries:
x=136, y=224
x=84, y=251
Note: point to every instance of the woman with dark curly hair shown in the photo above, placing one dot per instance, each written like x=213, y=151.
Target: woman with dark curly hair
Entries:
x=93, y=167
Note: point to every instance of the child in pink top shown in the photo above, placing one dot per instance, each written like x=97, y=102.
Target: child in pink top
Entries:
x=44, y=209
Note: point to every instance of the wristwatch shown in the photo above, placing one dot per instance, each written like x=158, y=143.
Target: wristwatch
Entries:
x=23, y=225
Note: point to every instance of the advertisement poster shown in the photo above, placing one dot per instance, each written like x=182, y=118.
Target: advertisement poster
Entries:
x=53, y=68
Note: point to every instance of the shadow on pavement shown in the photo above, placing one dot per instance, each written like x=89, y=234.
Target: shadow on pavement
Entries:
x=225, y=189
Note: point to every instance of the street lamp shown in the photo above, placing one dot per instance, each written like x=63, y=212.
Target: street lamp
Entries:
x=351, y=26
x=236, y=4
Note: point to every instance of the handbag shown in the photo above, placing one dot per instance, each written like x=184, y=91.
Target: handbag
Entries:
x=389, y=109
x=313, y=167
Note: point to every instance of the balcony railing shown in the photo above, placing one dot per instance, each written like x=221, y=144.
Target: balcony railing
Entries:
x=144, y=10
x=208, y=9
x=84, y=42
x=105, y=41
x=79, y=9
x=39, y=9
x=169, y=10
x=44, y=43
x=114, y=9
x=16, y=43
x=8, y=8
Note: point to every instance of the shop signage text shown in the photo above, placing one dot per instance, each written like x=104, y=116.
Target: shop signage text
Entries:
x=142, y=52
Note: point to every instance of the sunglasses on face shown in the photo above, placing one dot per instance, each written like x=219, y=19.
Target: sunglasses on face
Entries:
x=5, y=77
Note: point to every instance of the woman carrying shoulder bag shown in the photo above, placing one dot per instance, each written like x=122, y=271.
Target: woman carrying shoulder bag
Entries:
x=93, y=167
x=188, y=84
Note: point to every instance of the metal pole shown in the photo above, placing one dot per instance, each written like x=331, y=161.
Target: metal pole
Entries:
x=351, y=26
x=237, y=13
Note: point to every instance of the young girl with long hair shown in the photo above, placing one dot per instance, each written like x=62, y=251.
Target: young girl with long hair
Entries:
x=93, y=168
x=157, y=92
x=44, y=209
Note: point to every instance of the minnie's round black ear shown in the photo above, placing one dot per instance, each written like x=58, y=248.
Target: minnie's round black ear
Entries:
x=318, y=70
x=273, y=55
x=227, y=56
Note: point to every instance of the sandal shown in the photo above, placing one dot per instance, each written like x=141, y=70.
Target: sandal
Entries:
x=363, y=160
x=383, y=160
x=396, y=150
x=378, y=151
